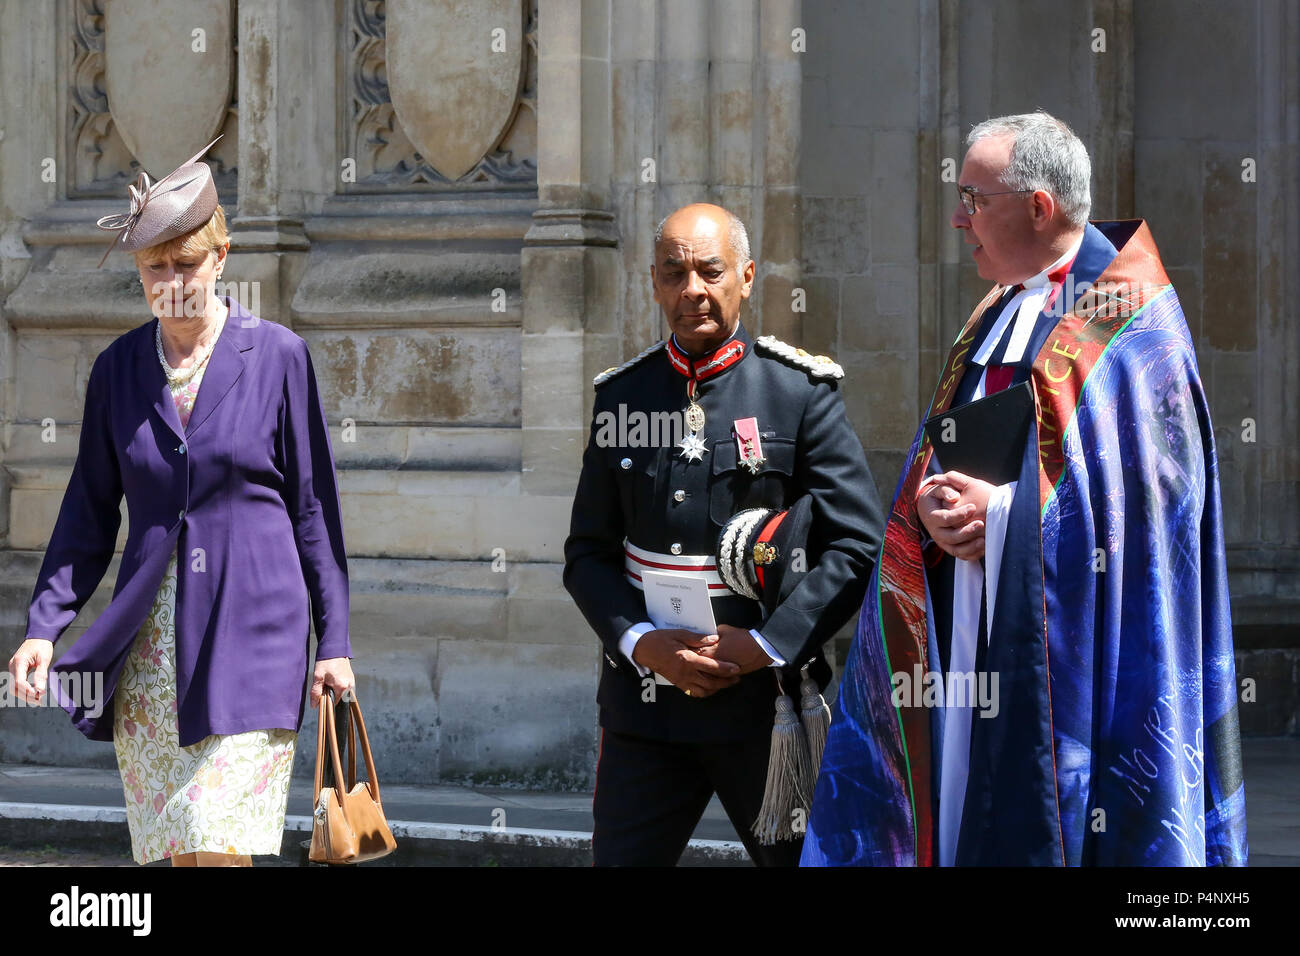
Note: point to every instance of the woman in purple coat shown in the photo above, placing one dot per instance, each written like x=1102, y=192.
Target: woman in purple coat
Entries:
x=208, y=421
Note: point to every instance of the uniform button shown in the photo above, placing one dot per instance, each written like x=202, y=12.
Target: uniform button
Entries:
x=181, y=513
x=676, y=548
x=180, y=449
x=679, y=495
x=625, y=464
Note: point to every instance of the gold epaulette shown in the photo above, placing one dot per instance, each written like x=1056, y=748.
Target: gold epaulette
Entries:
x=818, y=366
x=617, y=370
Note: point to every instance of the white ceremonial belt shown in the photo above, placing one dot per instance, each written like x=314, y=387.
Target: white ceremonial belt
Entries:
x=702, y=566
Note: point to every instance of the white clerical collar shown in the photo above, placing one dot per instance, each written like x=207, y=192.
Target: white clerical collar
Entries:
x=1040, y=280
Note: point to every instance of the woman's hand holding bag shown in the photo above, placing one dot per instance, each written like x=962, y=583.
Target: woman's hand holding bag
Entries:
x=348, y=825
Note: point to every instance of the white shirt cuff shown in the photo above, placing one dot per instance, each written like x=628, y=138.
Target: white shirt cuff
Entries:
x=768, y=649
x=627, y=644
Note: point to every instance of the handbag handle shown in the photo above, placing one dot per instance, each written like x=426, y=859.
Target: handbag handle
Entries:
x=354, y=712
x=327, y=732
x=319, y=777
x=346, y=747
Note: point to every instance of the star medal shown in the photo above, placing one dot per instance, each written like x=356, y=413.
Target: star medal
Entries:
x=692, y=447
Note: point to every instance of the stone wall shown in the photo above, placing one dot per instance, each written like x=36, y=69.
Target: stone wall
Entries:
x=453, y=204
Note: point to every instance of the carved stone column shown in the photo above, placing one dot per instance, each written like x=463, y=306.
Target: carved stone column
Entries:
x=28, y=148
x=777, y=99
x=1278, y=232
x=572, y=324
x=267, y=238
x=1111, y=134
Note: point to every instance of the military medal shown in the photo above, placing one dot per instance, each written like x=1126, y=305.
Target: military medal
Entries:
x=693, y=444
x=692, y=447
x=694, y=416
x=749, y=448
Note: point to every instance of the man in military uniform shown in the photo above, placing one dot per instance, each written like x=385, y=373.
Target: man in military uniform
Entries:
x=685, y=715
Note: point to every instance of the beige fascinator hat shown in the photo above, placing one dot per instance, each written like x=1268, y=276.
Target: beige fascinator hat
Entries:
x=180, y=202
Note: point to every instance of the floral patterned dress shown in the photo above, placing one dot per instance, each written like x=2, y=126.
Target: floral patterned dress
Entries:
x=225, y=794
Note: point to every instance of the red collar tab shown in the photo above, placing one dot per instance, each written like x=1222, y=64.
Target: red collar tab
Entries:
x=1057, y=276
x=708, y=365
x=1055, y=280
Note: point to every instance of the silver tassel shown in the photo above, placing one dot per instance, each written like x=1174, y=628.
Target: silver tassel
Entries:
x=789, y=775
x=816, y=717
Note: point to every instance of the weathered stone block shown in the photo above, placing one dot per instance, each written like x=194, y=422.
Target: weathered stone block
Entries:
x=552, y=379
x=552, y=278
x=835, y=235
x=1229, y=255
x=684, y=115
x=1279, y=505
x=781, y=237
x=835, y=161
x=50, y=375
x=1168, y=187
x=878, y=395
x=396, y=602
x=541, y=733
x=821, y=321
x=33, y=511
x=1200, y=103
x=884, y=34
x=894, y=205
x=732, y=102
x=465, y=377
x=1275, y=676
x=778, y=319
x=552, y=460
x=886, y=468
x=541, y=610
x=411, y=519
x=531, y=528
x=879, y=310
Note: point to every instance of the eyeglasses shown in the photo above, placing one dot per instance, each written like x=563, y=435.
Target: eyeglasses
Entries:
x=969, y=194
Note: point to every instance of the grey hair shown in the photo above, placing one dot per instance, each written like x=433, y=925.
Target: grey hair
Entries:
x=737, y=238
x=1045, y=154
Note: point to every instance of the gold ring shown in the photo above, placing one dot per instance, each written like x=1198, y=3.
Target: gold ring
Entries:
x=688, y=692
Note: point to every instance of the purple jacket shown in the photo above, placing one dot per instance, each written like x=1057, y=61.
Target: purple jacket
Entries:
x=247, y=492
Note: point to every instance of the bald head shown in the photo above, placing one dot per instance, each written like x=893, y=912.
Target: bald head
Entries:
x=701, y=272
x=737, y=235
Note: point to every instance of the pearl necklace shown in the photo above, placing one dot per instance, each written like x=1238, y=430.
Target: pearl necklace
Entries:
x=181, y=376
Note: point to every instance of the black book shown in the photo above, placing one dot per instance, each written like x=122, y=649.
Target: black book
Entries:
x=985, y=439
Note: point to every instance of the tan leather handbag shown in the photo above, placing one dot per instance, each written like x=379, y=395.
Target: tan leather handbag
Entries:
x=348, y=825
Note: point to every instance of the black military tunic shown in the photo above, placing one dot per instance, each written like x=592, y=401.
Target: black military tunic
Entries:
x=663, y=502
